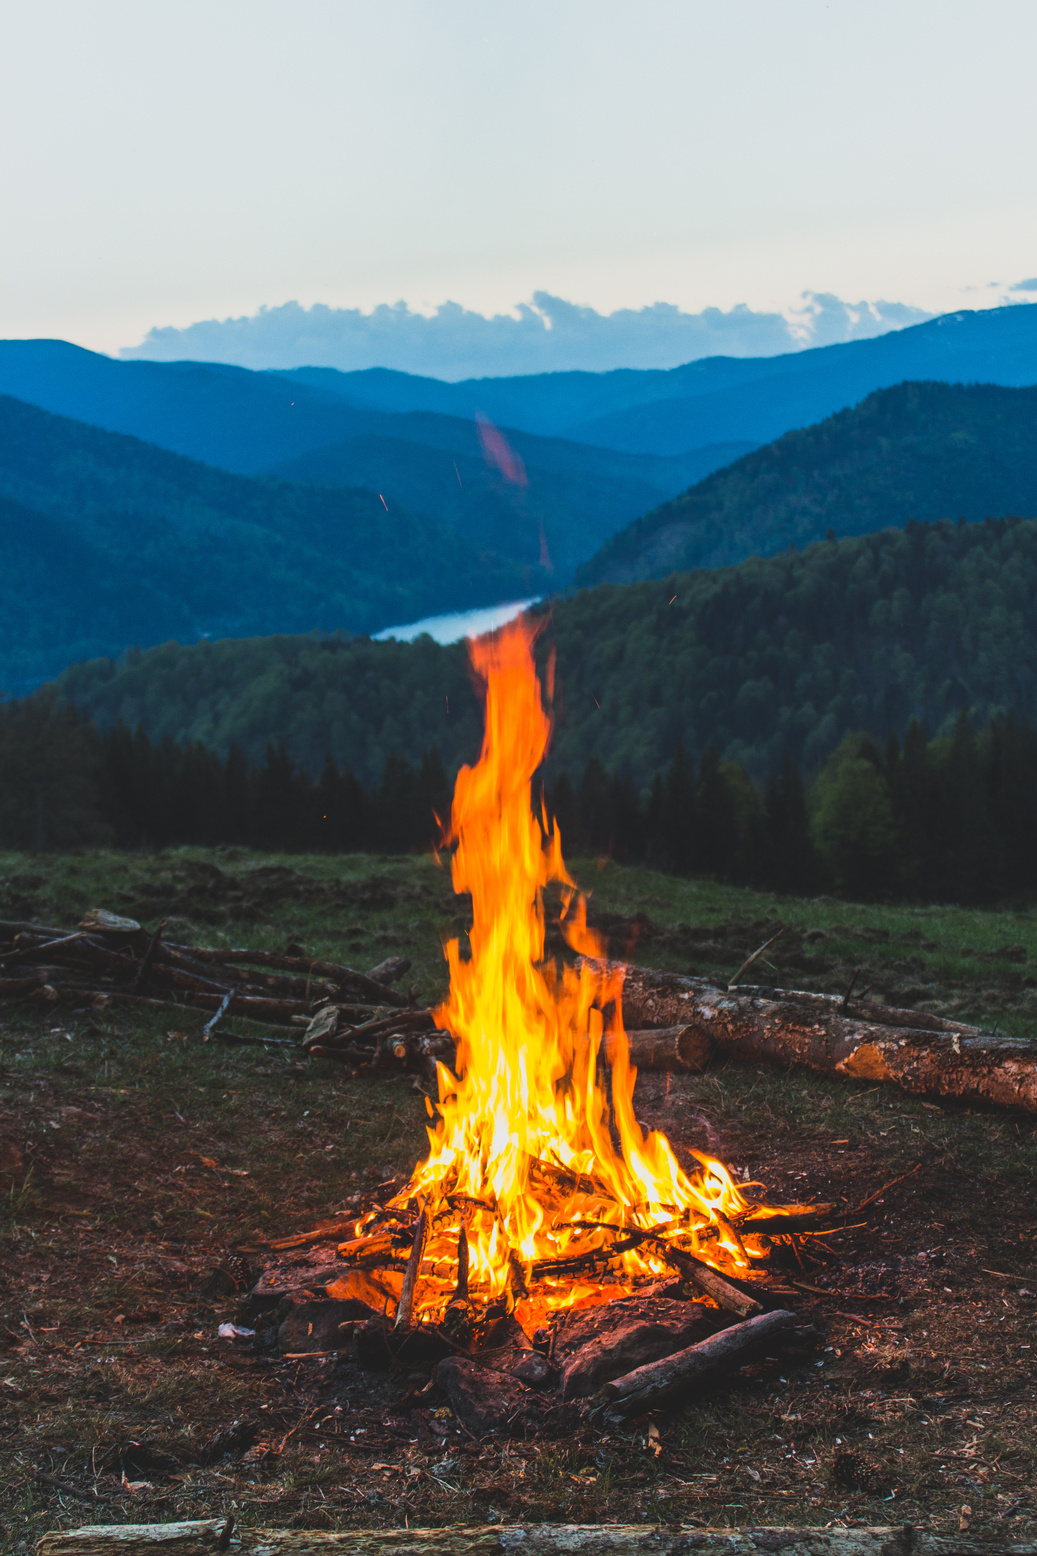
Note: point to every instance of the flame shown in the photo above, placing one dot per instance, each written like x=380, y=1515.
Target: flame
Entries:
x=537, y=1164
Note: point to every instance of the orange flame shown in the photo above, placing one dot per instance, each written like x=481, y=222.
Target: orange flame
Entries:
x=534, y=1153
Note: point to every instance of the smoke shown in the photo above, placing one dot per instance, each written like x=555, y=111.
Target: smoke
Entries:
x=546, y=335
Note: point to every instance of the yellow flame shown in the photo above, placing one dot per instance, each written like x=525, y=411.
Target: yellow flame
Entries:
x=532, y=1142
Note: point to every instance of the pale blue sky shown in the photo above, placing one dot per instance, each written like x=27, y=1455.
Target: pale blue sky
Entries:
x=167, y=161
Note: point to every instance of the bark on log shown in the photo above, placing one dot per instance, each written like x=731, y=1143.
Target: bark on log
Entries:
x=654, y=1384
x=729, y=1298
x=203, y=1536
x=667, y=1048
x=9, y=987
x=926, y=1055
x=959, y=1063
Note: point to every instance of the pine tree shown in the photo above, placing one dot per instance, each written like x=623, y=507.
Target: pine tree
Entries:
x=788, y=859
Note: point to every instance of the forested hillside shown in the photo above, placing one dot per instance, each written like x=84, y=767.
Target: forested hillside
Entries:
x=106, y=541
x=784, y=654
x=948, y=819
x=923, y=451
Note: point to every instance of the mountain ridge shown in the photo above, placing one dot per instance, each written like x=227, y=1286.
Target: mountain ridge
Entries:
x=926, y=451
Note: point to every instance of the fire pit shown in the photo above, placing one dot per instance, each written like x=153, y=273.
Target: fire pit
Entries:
x=547, y=1250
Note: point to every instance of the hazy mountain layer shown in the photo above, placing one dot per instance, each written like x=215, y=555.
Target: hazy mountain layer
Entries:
x=715, y=399
x=106, y=541
x=568, y=500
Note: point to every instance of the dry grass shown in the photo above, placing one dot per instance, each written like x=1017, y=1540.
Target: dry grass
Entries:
x=142, y=1171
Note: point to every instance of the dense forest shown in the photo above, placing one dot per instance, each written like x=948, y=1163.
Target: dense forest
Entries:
x=784, y=654
x=950, y=819
x=105, y=541
x=922, y=451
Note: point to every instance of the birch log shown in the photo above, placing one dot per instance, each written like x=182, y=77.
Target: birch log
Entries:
x=202, y=1537
x=924, y=1054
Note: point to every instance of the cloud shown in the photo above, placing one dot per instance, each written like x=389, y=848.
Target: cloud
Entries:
x=547, y=334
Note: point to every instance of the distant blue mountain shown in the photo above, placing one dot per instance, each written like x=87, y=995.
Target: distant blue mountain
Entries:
x=914, y=452
x=716, y=399
x=599, y=449
x=572, y=499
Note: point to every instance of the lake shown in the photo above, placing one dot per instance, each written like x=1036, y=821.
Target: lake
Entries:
x=458, y=624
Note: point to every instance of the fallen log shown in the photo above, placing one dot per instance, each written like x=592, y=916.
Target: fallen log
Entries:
x=966, y=1065
x=10, y=987
x=925, y=1055
x=202, y=1536
x=667, y=1048
x=658, y=1382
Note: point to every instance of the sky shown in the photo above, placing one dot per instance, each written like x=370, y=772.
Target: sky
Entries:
x=171, y=162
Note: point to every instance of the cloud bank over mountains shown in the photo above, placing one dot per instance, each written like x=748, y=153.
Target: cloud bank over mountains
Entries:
x=546, y=335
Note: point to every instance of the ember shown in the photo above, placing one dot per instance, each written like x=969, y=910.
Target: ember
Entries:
x=540, y=1191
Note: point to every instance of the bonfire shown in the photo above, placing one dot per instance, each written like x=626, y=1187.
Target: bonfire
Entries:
x=540, y=1191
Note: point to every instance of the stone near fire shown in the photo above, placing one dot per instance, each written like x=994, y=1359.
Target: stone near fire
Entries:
x=485, y=1401
x=320, y=1325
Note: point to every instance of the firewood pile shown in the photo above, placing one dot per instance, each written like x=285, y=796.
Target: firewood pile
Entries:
x=110, y=960
x=324, y=1294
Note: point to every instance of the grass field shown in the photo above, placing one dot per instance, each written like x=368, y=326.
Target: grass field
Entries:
x=142, y=1172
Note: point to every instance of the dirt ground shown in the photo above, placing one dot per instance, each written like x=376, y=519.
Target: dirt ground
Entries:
x=142, y=1172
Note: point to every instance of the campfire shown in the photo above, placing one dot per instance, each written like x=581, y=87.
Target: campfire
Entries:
x=541, y=1196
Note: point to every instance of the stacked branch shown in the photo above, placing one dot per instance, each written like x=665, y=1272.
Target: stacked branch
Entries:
x=110, y=959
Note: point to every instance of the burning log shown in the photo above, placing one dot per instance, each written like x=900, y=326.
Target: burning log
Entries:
x=210, y=1536
x=726, y=1296
x=541, y=1190
x=405, y=1310
x=658, y=1382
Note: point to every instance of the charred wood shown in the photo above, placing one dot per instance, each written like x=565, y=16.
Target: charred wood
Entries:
x=626, y=1337
x=658, y=1382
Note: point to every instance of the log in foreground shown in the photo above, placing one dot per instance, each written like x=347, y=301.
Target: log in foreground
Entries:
x=925, y=1055
x=658, y=1382
x=203, y=1536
